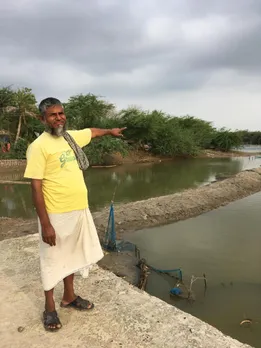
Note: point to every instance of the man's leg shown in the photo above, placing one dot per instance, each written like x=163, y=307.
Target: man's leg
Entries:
x=49, y=301
x=68, y=294
x=72, y=300
x=51, y=320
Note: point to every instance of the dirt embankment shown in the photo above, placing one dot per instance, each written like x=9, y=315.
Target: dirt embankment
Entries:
x=161, y=210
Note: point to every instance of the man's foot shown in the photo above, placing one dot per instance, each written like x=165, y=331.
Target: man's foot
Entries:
x=51, y=321
x=78, y=303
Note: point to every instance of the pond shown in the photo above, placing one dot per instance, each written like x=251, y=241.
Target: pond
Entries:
x=225, y=245
x=132, y=182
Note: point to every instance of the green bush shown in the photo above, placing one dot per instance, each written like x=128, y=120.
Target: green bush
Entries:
x=201, y=131
x=83, y=111
x=142, y=126
x=251, y=138
x=19, y=149
x=172, y=141
x=225, y=140
x=166, y=135
x=6, y=155
x=107, y=145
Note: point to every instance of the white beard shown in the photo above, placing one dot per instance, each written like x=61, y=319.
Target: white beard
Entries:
x=59, y=131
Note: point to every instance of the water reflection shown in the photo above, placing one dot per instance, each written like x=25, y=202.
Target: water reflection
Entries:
x=132, y=182
x=150, y=180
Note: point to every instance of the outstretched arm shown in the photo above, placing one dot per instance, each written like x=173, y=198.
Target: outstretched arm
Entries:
x=115, y=132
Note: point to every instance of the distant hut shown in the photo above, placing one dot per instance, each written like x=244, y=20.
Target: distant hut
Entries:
x=5, y=141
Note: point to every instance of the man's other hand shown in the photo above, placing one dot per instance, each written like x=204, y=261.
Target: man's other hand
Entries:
x=48, y=235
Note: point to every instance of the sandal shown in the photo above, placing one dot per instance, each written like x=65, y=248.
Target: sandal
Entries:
x=79, y=304
x=51, y=321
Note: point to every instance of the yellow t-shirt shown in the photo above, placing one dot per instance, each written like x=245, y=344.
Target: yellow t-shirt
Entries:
x=52, y=160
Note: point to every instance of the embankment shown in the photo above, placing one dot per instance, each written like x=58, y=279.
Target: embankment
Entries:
x=10, y=163
x=160, y=210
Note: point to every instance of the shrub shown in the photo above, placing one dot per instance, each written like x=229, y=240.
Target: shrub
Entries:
x=201, y=131
x=19, y=149
x=225, y=140
x=174, y=141
x=100, y=147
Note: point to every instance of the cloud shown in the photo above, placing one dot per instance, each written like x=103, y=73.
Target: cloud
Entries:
x=149, y=51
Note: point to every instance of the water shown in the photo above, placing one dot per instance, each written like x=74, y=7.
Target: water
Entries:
x=225, y=245
x=133, y=182
x=250, y=148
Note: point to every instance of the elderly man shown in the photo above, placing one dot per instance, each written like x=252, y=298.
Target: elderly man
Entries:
x=68, y=237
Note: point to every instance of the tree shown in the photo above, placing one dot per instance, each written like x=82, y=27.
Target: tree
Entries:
x=202, y=131
x=225, y=140
x=23, y=106
x=6, y=99
x=88, y=110
x=142, y=126
x=173, y=140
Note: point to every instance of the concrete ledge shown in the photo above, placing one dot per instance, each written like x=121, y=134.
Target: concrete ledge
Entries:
x=12, y=163
x=124, y=316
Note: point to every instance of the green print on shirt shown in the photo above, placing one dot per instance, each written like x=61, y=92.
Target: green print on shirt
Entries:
x=66, y=156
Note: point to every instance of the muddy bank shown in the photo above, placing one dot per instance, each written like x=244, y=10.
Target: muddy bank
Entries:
x=160, y=210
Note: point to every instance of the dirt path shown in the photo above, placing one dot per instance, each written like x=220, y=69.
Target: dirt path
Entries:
x=158, y=211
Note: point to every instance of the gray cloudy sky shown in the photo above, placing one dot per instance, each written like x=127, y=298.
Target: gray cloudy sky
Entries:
x=197, y=57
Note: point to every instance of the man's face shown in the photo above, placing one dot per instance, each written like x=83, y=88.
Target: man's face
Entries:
x=55, y=120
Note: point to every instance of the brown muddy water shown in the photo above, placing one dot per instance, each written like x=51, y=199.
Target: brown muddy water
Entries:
x=132, y=183
x=225, y=244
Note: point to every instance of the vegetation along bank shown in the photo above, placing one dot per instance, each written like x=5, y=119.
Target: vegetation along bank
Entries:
x=149, y=134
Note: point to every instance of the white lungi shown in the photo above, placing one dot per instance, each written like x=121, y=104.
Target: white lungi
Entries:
x=77, y=247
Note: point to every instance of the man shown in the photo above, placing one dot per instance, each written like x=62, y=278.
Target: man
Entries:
x=68, y=237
